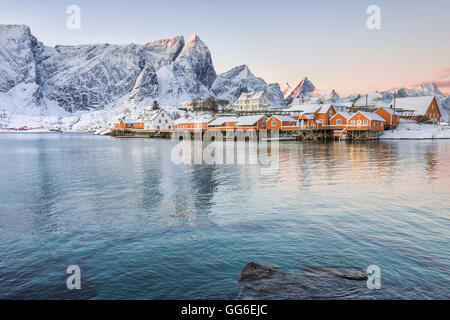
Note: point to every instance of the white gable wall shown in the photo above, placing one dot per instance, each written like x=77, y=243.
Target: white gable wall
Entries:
x=162, y=121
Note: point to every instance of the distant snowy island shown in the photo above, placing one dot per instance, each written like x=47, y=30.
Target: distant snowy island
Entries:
x=87, y=88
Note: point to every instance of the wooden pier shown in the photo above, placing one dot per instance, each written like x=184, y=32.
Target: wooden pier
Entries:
x=128, y=133
x=302, y=134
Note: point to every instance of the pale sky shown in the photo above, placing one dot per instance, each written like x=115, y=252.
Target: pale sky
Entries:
x=280, y=41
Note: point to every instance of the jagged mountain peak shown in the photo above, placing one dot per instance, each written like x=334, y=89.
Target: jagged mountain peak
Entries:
x=305, y=88
x=424, y=89
x=173, y=42
x=429, y=88
x=196, y=47
x=241, y=71
x=193, y=39
x=334, y=94
x=195, y=42
x=15, y=30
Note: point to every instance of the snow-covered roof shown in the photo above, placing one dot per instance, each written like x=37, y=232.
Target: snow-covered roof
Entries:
x=295, y=108
x=284, y=118
x=151, y=115
x=181, y=120
x=201, y=120
x=310, y=108
x=345, y=104
x=370, y=115
x=419, y=104
x=221, y=120
x=248, y=120
x=129, y=121
x=251, y=95
x=346, y=115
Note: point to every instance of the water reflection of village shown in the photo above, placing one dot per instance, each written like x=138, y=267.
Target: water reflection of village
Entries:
x=140, y=176
x=308, y=172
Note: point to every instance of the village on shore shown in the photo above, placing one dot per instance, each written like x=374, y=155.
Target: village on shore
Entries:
x=302, y=120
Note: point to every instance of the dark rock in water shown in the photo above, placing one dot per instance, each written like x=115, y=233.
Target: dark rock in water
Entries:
x=256, y=271
x=267, y=282
x=345, y=273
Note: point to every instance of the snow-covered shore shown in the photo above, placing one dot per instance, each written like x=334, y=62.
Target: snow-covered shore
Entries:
x=413, y=130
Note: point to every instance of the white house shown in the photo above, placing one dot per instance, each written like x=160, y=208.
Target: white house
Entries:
x=157, y=120
x=254, y=101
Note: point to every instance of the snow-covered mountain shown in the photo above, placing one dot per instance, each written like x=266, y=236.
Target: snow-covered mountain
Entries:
x=304, y=89
x=231, y=84
x=425, y=89
x=107, y=81
x=191, y=75
x=89, y=87
x=333, y=96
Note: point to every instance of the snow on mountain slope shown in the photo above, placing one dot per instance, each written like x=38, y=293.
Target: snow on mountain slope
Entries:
x=275, y=95
x=17, y=50
x=19, y=89
x=426, y=89
x=146, y=87
x=285, y=89
x=91, y=76
x=191, y=75
x=231, y=84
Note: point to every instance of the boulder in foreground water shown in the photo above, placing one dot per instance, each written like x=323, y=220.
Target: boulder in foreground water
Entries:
x=256, y=271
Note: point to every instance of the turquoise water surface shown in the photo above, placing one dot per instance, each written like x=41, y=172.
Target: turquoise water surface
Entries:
x=141, y=227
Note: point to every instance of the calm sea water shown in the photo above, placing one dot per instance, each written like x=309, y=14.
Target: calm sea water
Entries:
x=141, y=227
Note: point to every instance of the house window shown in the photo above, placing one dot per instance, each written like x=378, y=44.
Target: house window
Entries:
x=339, y=122
x=274, y=123
x=353, y=122
x=365, y=122
x=162, y=115
x=159, y=121
x=166, y=120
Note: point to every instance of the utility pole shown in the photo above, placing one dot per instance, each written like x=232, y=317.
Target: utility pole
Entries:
x=393, y=116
